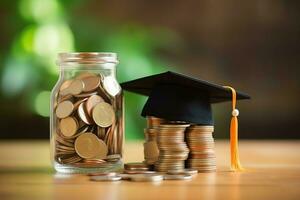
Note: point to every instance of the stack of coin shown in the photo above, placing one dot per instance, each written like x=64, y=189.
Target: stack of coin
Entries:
x=88, y=124
x=201, y=144
x=151, y=151
x=154, y=122
x=173, y=150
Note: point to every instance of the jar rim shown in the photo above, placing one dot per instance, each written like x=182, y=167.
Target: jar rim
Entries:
x=87, y=57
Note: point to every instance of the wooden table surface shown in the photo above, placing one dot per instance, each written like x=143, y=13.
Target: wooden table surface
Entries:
x=273, y=172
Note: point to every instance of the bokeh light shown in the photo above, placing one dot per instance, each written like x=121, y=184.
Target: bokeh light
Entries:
x=53, y=38
x=27, y=38
x=40, y=10
x=15, y=77
x=42, y=102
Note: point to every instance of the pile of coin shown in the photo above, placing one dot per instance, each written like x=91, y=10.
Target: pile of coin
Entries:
x=151, y=151
x=87, y=125
x=141, y=172
x=179, y=145
x=201, y=144
x=173, y=150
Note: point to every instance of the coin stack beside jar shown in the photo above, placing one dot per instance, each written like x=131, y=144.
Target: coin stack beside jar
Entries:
x=201, y=144
x=87, y=123
x=173, y=150
x=151, y=151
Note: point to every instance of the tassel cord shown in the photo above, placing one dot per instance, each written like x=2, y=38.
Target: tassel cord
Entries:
x=234, y=150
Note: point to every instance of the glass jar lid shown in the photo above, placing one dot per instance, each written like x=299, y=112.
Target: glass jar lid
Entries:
x=87, y=58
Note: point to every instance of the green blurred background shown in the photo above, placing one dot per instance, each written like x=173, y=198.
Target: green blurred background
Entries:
x=251, y=45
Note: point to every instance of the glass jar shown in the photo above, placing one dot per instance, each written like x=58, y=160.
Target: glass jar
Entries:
x=86, y=116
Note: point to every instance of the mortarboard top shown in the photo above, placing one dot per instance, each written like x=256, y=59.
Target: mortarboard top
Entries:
x=178, y=97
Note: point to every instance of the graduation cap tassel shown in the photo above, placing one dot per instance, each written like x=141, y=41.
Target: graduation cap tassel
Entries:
x=234, y=149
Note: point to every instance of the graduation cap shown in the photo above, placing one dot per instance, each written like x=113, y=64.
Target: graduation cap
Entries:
x=177, y=97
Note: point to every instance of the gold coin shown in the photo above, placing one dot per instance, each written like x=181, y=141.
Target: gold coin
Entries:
x=87, y=94
x=65, y=85
x=92, y=102
x=91, y=83
x=72, y=159
x=146, y=177
x=171, y=126
x=89, y=164
x=103, y=150
x=77, y=103
x=83, y=114
x=103, y=114
x=101, y=132
x=101, y=91
x=113, y=157
x=80, y=131
x=60, y=147
x=76, y=87
x=72, y=87
x=88, y=146
x=64, y=98
x=64, y=109
x=151, y=150
x=60, y=140
x=68, y=126
x=137, y=166
x=153, y=122
x=94, y=160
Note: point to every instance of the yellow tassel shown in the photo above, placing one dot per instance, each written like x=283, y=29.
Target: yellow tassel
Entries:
x=234, y=149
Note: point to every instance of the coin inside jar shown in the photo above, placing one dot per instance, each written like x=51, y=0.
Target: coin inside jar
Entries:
x=76, y=87
x=88, y=146
x=65, y=85
x=77, y=142
x=92, y=102
x=83, y=114
x=102, y=153
x=86, y=94
x=77, y=103
x=103, y=114
x=111, y=86
x=91, y=83
x=68, y=126
x=64, y=109
x=64, y=98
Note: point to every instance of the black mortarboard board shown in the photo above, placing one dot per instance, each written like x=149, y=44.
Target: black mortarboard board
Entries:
x=177, y=97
